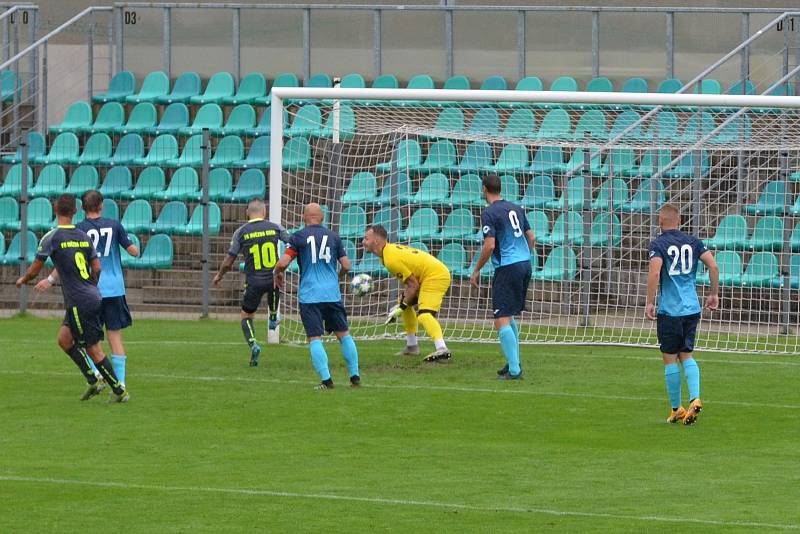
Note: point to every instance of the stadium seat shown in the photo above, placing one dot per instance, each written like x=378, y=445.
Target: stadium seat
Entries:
x=350, y=251
x=555, y=125
x=419, y=245
x=63, y=150
x=129, y=149
x=83, y=179
x=625, y=120
x=138, y=217
x=577, y=162
x=606, y=230
x=241, y=119
x=389, y=218
x=143, y=117
x=251, y=87
x=287, y=79
x=567, y=228
x=459, y=226
x=528, y=83
x=257, y=157
x=406, y=154
x=685, y=167
x=157, y=254
x=40, y=215
x=150, y=184
x=708, y=87
x=51, y=182
x=195, y=226
x=384, y=81
x=730, y=269
x=79, y=216
x=771, y=200
x=398, y=181
x=122, y=85
x=738, y=88
x=600, y=84
x=668, y=86
x=782, y=90
x=37, y=146
x=110, y=117
x=767, y=235
x=252, y=184
x=618, y=161
x=8, y=85
x=78, y=115
x=486, y=122
x=457, y=82
x=574, y=192
x=362, y=188
x=794, y=209
x=618, y=187
x=172, y=218
x=486, y=272
x=548, y=159
x=126, y=259
x=192, y=154
x=209, y=117
x=352, y=222
x=494, y=83
x=539, y=192
x=735, y=132
x=794, y=272
x=424, y=224
x=449, y=121
x=467, y=191
x=454, y=256
x=320, y=80
x=117, y=182
x=561, y=264
x=477, y=156
x=220, y=85
x=653, y=161
x=297, y=154
x=663, y=128
x=564, y=83
x=14, y=250
x=591, y=125
x=96, y=149
x=154, y=86
x=229, y=150
x=370, y=264
x=540, y=224
x=175, y=117
x=184, y=185
x=9, y=214
x=110, y=209
x=513, y=158
x=731, y=234
x=186, y=86
x=220, y=184
x=762, y=270
x=635, y=85
x=433, y=190
x=521, y=124
x=642, y=202
x=441, y=156
x=308, y=120
x=794, y=240
x=509, y=187
x=347, y=125
x=265, y=123
x=418, y=81
x=12, y=185
x=698, y=127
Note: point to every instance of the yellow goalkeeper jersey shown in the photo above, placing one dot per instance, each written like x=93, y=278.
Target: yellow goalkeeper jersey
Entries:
x=403, y=261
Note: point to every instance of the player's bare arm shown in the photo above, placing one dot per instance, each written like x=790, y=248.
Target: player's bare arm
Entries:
x=531, y=237
x=486, y=253
x=712, y=299
x=33, y=272
x=133, y=250
x=279, y=272
x=96, y=270
x=653, y=278
x=46, y=283
x=227, y=263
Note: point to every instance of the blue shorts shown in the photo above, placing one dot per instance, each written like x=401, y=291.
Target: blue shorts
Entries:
x=115, y=313
x=321, y=317
x=676, y=334
x=510, y=288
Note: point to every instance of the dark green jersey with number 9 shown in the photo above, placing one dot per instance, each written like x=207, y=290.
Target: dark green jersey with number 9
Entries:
x=72, y=252
x=258, y=241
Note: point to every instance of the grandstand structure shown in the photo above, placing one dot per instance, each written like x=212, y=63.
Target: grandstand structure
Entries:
x=178, y=154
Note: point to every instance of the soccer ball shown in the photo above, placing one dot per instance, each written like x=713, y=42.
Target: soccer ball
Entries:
x=361, y=284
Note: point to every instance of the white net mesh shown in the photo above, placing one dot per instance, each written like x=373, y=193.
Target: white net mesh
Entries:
x=590, y=178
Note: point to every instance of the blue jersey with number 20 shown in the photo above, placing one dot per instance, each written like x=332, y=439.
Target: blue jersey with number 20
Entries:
x=318, y=250
x=680, y=253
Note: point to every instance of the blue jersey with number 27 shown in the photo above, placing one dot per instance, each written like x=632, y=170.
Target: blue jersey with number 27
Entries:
x=680, y=253
x=318, y=250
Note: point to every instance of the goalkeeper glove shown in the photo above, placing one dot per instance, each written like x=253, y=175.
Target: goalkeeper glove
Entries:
x=395, y=312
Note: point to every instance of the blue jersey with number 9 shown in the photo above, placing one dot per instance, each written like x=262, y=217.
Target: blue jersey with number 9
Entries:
x=318, y=250
x=506, y=222
x=680, y=253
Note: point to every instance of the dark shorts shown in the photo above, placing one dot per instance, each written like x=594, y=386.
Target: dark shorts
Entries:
x=509, y=289
x=322, y=317
x=86, y=324
x=115, y=313
x=252, y=294
x=676, y=334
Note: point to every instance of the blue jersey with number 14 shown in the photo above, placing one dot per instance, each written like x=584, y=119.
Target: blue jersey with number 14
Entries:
x=506, y=222
x=680, y=253
x=318, y=251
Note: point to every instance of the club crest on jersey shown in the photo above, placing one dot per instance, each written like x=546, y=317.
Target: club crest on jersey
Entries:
x=485, y=229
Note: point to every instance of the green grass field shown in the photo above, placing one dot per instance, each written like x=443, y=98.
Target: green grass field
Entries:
x=208, y=444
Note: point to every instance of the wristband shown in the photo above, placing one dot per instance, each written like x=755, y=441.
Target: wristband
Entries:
x=403, y=305
x=51, y=279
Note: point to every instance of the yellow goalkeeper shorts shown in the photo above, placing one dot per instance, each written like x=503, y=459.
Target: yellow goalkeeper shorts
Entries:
x=432, y=292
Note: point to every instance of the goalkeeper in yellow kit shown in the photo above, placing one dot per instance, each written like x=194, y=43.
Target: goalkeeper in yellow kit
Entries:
x=426, y=281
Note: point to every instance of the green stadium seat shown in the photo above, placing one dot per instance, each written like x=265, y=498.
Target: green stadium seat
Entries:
x=257, y=157
x=117, y=182
x=548, y=159
x=664, y=127
x=195, y=226
x=486, y=272
x=398, y=181
x=441, y=156
x=154, y=86
x=520, y=125
x=79, y=216
x=601, y=84
x=252, y=184
x=126, y=259
x=540, y=224
x=9, y=214
x=467, y=191
x=350, y=251
x=14, y=250
x=83, y=179
x=624, y=121
x=563, y=83
x=591, y=125
x=509, y=187
x=241, y=120
x=40, y=215
x=635, y=85
x=220, y=86
x=620, y=159
x=459, y=226
x=8, y=85
x=157, y=254
x=708, y=87
x=555, y=125
x=63, y=150
x=352, y=222
x=51, y=182
x=794, y=271
x=229, y=150
x=418, y=81
x=529, y=83
x=782, y=90
x=577, y=163
x=618, y=187
x=738, y=88
x=307, y=121
x=669, y=86
x=424, y=224
x=730, y=269
x=561, y=264
x=320, y=80
x=407, y=154
x=12, y=185
x=2, y=246
x=110, y=117
x=575, y=195
x=209, y=117
x=297, y=154
x=731, y=234
x=347, y=125
x=370, y=264
x=220, y=184
x=652, y=162
x=513, y=158
x=287, y=79
x=184, y=185
x=37, y=146
x=362, y=188
x=97, y=148
x=433, y=190
x=767, y=235
x=143, y=117
x=771, y=200
x=264, y=125
x=736, y=131
x=389, y=218
x=685, y=166
x=172, y=218
x=129, y=149
x=450, y=121
x=699, y=126
x=78, y=115
x=486, y=122
x=352, y=81
x=762, y=270
x=477, y=156
x=192, y=154
x=419, y=245
x=539, y=192
x=186, y=86
x=149, y=185
x=138, y=217
x=251, y=87
x=175, y=117
x=383, y=81
x=494, y=83
x=122, y=85
x=606, y=230
x=641, y=201
x=567, y=228
x=110, y=209
x=795, y=208
x=454, y=256
x=458, y=83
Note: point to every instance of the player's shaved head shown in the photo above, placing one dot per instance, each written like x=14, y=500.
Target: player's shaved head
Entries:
x=312, y=213
x=256, y=208
x=669, y=217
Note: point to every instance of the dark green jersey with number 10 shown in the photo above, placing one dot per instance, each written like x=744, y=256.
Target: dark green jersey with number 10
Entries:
x=72, y=252
x=257, y=240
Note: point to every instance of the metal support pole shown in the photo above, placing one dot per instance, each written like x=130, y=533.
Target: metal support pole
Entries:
x=166, y=47
x=32, y=57
x=696, y=191
x=336, y=112
x=670, y=45
x=448, y=42
x=6, y=41
x=120, y=62
x=595, y=44
x=306, y=45
x=586, y=248
x=740, y=182
x=43, y=93
x=376, y=43
x=90, y=58
x=745, y=66
x=23, y=217
x=111, y=71
x=521, y=58
x=276, y=159
x=15, y=130
x=237, y=45
x=204, y=203
x=796, y=62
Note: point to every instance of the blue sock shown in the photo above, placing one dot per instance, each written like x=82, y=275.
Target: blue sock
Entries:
x=118, y=363
x=319, y=359
x=510, y=348
x=92, y=365
x=515, y=328
x=692, y=372
x=672, y=376
x=350, y=354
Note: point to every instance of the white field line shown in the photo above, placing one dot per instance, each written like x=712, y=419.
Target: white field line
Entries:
x=397, y=502
x=458, y=389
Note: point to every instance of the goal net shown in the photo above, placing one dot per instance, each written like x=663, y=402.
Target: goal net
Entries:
x=590, y=175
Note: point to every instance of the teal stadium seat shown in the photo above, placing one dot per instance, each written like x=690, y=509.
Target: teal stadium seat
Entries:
x=730, y=269
x=126, y=259
x=539, y=191
x=606, y=230
x=97, y=148
x=418, y=81
x=230, y=149
x=362, y=188
x=734, y=132
x=449, y=121
x=663, y=128
x=383, y=81
x=574, y=193
x=110, y=117
x=561, y=265
x=51, y=182
x=172, y=218
x=241, y=120
x=762, y=270
x=265, y=123
x=319, y=80
x=540, y=225
x=600, y=84
x=406, y=154
x=513, y=158
x=467, y=191
x=458, y=83
x=613, y=193
x=548, y=159
x=9, y=214
x=191, y=155
x=653, y=161
x=150, y=184
x=509, y=187
x=731, y=234
x=208, y=117
x=220, y=86
x=154, y=86
x=477, y=156
x=794, y=271
x=186, y=86
x=220, y=184
x=83, y=179
x=184, y=185
x=297, y=154
x=669, y=86
x=625, y=120
x=78, y=115
x=486, y=122
x=459, y=226
x=685, y=167
x=195, y=225
x=767, y=235
x=618, y=161
x=8, y=85
x=591, y=125
x=347, y=125
x=251, y=87
x=129, y=149
x=352, y=222
x=771, y=200
x=252, y=184
x=138, y=217
x=528, y=83
x=12, y=184
x=563, y=83
x=433, y=190
x=175, y=117
x=642, y=201
x=14, y=250
x=37, y=146
x=555, y=125
x=307, y=121
x=117, y=182
x=424, y=224
x=396, y=189
x=520, y=125
x=157, y=254
x=258, y=156
x=287, y=79
x=699, y=126
x=143, y=117
x=122, y=85
x=110, y=209
x=454, y=256
x=40, y=215
x=568, y=228
x=63, y=150
x=441, y=156
x=389, y=218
